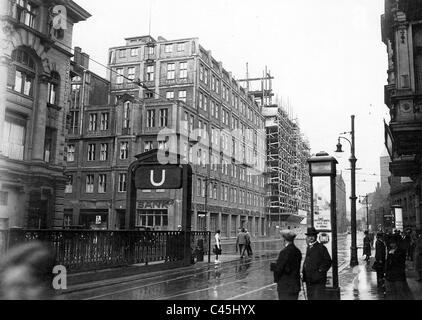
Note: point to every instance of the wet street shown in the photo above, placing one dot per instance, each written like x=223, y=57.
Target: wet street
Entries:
x=249, y=278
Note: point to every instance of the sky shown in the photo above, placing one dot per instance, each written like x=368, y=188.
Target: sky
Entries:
x=327, y=58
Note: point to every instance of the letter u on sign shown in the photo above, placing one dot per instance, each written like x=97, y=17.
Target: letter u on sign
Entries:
x=159, y=177
x=163, y=179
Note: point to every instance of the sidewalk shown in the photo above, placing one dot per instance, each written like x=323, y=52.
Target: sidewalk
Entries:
x=360, y=282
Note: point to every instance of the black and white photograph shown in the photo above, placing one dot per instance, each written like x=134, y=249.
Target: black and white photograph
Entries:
x=211, y=155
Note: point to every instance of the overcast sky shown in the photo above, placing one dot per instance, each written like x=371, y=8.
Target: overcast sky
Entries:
x=327, y=57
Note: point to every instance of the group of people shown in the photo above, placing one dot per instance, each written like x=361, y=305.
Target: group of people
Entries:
x=243, y=243
x=391, y=253
x=287, y=273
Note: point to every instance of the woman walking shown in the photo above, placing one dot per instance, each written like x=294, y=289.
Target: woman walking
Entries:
x=367, y=247
x=217, y=248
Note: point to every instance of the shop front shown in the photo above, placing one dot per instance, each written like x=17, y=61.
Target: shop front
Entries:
x=155, y=215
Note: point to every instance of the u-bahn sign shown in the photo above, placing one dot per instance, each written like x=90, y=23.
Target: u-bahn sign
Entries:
x=148, y=173
x=159, y=177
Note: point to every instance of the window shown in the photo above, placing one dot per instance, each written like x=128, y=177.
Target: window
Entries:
x=162, y=145
x=150, y=73
x=102, y=183
x=199, y=187
x=48, y=144
x=201, y=100
x=131, y=73
x=180, y=47
x=212, y=108
x=69, y=184
x=163, y=117
x=119, y=77
x=170, y=71
x=126, y=114
x=183, y=70
x=24, y=68
x=26, y=13
x=70, y=153
x=206, y=76
x=150, y=50
x=89, y=184
x=124, y=150
x=122, y=53
x=150, y=118
x=170, y=95
x=53, y=88
x=104, y=121
x=134, y=52
x=182, y=96
x=191, y=123
x=92, y=122
x=74, y=122
x=104, y=152
x=168, y=48
x=122, y=182
x=91, y=152
x=185, y=121
x=205, y=103
x=201, y=72
x=148, y=145
x=13, y=138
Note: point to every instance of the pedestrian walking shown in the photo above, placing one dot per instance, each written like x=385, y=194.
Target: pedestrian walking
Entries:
x=248, y=243
x=396, y=287
x=406, y=243
x=217, y=247
x=418, y=256
x=315, y=267
x=287, y=268
x=379, y=264
x=241, y=242
x=367, y=246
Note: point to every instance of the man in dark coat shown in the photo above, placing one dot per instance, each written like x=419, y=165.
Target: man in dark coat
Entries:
x=287, y=268
x=380, y=256
x=315, y=267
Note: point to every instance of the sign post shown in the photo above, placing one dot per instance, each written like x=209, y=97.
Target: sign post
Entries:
x=323, y=172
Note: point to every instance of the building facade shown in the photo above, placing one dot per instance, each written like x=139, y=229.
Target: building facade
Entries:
x=34, y=93
x=288, y=180
x=342, y=222
x=174, y=96
x=402, y=34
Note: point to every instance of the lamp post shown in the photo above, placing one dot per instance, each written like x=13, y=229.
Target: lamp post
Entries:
x=322, y=165
x=354, y=248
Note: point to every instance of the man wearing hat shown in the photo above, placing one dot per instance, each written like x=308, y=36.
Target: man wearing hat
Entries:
x=315, y=267
x=287, y=268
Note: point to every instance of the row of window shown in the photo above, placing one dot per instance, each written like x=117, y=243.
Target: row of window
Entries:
x=228, y=193
x=104, y=151
x=149, y=50
x=100, y=180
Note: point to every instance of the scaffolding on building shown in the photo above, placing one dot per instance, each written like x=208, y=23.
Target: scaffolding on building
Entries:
x=287, y=175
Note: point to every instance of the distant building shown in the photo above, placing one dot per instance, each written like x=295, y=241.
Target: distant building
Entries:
x=385, y=174
x=341, y=204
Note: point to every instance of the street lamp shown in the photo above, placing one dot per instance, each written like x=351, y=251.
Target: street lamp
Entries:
x=354, y=248
x=367, y=209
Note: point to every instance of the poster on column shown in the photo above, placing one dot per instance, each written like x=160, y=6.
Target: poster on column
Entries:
x=322, y=209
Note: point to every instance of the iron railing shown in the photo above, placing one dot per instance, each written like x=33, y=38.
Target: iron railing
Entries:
x=85, y=250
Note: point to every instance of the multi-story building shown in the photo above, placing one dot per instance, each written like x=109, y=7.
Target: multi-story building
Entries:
x=90, y=148
x=342, y=223
x=402, y=34
x=34, y=93
x=288, y=180
x=173, y=95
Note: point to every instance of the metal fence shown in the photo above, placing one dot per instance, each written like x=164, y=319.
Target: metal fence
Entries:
x=84, y=250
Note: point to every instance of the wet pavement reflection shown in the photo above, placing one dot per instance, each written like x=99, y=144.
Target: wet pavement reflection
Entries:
x=249, y=278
